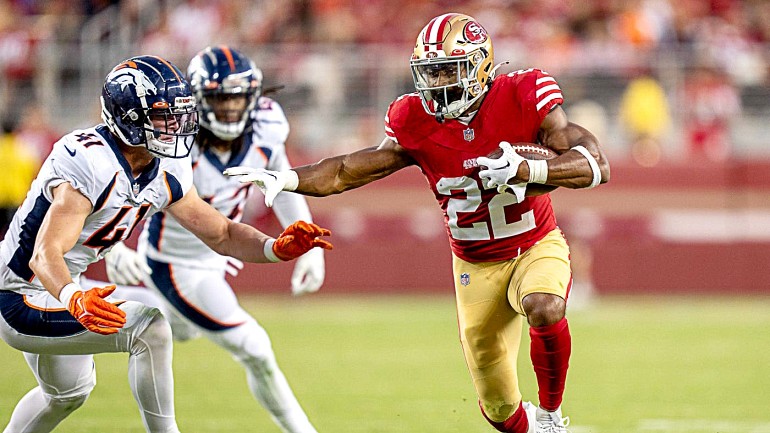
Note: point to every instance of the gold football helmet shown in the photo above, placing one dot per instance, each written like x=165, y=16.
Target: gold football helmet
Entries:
x=452, y=65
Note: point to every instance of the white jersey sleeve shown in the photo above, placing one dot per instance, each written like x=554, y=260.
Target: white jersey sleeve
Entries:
x=68, y=165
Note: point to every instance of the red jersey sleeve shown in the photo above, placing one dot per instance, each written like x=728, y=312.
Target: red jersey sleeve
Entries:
x=399, y=112
x=540, y=89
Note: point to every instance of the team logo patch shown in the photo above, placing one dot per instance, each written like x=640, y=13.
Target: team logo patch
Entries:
x=465, y=279
x=469, y=135
x=474, y=33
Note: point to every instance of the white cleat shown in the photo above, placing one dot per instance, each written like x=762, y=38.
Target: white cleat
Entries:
x=549, y=422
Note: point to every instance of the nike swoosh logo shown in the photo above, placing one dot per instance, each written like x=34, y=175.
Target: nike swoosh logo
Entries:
x=71, y=152
x=271, y=175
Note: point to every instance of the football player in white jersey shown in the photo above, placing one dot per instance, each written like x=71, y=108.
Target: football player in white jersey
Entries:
x=239, y=126
x=92, y=190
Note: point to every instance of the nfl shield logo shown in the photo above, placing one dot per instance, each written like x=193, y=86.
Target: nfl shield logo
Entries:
x=465, y=279
x=135, y=188
x=468, y=134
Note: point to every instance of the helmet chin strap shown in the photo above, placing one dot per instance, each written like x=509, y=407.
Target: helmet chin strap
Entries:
x=439, y=112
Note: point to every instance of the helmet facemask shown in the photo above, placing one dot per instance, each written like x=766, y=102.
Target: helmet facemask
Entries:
x=226, y=108
x=167, y=127
x=446, y=86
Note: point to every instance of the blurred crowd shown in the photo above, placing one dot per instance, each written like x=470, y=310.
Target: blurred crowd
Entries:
x=726, y=41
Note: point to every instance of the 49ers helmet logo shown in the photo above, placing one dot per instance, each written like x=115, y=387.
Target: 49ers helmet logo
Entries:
x=474, y=33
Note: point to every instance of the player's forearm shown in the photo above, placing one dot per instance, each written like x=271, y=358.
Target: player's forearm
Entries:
x=326, y=177
x=575, y=169
x=49, y=267
x=242, y=242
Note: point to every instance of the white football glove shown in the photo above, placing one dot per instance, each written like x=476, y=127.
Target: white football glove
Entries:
x=233, y=266
x=125, y=266
x=309, y=272
x=268, y=181
x=500, y=170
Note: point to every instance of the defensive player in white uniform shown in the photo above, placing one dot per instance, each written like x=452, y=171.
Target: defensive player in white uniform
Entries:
x=238, y=127
x=92, y=190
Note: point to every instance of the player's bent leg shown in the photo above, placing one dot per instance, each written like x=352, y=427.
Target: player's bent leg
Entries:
x=250, y=345
x=145, y=335
x=64, y=383
x=540, y=291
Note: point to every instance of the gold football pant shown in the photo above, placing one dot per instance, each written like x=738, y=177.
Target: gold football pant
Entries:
x=490, y=315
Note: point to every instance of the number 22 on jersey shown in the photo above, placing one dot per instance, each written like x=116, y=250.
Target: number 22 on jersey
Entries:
x=480, y=231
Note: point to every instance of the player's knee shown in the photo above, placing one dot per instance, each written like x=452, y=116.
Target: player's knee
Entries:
x=156, y=334
x=68, y=404
x=543, y=309
x=254, y=347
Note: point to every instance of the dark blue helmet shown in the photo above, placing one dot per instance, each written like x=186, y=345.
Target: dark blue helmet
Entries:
x=226, y=84
x=146, y=101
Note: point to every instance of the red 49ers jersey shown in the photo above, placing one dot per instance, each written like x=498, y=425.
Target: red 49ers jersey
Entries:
x=483, y=225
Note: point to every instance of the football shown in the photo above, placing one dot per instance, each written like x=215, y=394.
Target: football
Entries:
x=531, y=151
x=527, y=151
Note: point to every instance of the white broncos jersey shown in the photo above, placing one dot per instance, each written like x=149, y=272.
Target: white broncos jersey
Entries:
x=164, y=239
x=90, y=161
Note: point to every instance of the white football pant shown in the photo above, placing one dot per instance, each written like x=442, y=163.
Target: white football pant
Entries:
x=65, y=372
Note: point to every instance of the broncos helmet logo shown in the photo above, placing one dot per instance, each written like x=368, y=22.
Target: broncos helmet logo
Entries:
x=126, y=76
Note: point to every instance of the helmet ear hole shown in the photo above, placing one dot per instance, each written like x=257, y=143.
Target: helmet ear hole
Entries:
x=131, y=116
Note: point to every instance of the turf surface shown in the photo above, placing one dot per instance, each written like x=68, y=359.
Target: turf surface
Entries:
x=394, y=364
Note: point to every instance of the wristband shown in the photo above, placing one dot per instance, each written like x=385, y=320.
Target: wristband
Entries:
x=65, y=295
x=292, y=180
x=597, y=174
x=538, y=170
x=269, y=253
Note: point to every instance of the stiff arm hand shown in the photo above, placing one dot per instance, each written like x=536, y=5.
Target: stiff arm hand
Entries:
x=268, y=181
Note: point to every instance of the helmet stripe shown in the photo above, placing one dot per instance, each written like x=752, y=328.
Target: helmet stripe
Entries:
x=229, y=56
x=434, y=33
x=173, y=69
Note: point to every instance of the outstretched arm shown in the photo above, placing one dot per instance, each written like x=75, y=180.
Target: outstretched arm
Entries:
x=241, y=240
x=341, y=173
x=331, y=175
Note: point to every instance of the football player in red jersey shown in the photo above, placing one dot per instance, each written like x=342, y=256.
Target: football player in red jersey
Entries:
x=510, y=260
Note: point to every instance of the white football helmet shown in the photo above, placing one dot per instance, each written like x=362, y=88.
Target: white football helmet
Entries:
x=452, y=65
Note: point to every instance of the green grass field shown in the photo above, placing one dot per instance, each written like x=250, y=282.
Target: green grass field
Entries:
x=394, y=364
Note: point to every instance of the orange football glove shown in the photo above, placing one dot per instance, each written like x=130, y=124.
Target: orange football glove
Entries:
x=91, y=310
x=299, y=238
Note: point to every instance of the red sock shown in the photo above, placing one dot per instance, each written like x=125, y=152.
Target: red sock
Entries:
x=550, y=350
x=516, y=423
